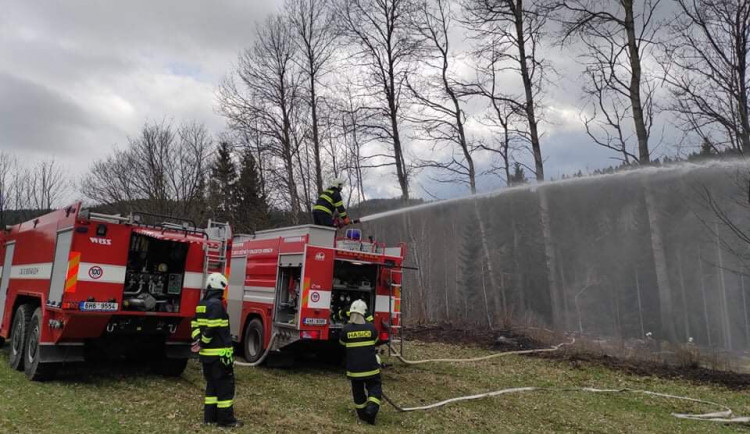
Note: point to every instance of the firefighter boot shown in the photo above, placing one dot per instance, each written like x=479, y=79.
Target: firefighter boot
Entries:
x=370, y=412
x=235, y=424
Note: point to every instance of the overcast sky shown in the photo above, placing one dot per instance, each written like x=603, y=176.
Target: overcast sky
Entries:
x=78, y=77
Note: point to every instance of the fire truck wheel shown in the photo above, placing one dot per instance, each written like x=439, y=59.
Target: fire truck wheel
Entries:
x=169, y=367
x=253, y=340
x=18, y=334
x=34, y=369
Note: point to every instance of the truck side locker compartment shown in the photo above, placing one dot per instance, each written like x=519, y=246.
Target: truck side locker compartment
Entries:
x=60, y=265
x=5, y=280
x=238, y=267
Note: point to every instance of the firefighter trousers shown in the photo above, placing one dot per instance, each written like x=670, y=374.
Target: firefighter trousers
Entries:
x=367, y=393
x=321, y=218
x=219, y=400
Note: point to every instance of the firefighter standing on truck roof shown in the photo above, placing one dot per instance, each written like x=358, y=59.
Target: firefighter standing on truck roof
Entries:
x=362, y=362
x=329, y=202
x=212, y=341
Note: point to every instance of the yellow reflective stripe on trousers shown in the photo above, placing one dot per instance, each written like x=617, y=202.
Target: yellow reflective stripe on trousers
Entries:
x=362, y=374
x=227, y=351
x=200, y=309
x=360, y=406
x=360, y=344
x=322, y=208
x=224, y=404
x=374, y=399
x=211, y=400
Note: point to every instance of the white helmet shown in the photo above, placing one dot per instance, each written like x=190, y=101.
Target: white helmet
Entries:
x=338, y=182
x=216, y=281
x=359, y=307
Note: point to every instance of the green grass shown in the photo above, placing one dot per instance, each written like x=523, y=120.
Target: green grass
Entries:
x=111, y=397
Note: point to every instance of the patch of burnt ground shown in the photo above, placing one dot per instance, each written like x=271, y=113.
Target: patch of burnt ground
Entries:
x=511, y=340
x=645, y=368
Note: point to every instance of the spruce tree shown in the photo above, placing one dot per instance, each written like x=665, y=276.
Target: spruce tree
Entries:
x=223, y=184
x=252, y=209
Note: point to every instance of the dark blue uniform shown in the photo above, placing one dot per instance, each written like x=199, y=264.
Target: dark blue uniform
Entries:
x=363, y=369
x=328, y=202
x=211, y=326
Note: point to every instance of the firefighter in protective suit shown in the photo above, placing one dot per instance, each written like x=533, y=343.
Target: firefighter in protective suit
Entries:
x=213, y=343
x=362, y=362
x=328, y=202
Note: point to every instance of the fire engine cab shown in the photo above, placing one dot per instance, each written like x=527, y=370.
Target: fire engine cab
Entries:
x=297, y=284
x=76, y=282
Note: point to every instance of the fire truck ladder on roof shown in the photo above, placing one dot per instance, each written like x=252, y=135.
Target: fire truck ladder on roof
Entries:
x=215, y=259
x=395, y=331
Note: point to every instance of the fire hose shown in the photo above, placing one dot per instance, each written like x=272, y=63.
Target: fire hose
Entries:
x=262, y=357
x=479, y=359
x=724, y=416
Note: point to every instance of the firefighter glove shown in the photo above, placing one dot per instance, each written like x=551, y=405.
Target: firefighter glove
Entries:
x=347, y=221
x=227, y=360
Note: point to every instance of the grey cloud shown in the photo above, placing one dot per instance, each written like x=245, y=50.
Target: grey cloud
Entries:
x=36, y=118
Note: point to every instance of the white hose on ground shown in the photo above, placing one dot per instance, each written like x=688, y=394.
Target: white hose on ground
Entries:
x=479, y=359
x=724, y=416
x=263, y=357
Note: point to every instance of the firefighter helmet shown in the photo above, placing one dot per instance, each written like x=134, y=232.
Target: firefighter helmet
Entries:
x=216, y=281
x=359, y=307
x=338, y=182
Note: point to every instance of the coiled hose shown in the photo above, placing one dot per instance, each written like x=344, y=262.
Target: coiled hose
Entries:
x=263, y=357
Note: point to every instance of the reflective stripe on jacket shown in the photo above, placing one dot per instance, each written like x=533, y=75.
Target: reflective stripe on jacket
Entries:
x=330, y=200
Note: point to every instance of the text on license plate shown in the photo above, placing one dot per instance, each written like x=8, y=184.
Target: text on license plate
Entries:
x=314, y=321
x=100, y=306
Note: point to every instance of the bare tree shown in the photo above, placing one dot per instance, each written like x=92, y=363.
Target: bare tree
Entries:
x=263, y=97
x=618, y=37
x=515, y=29
x=502, y=113
x=442, y=121
x=47, y=185
x=385, y=49
x=707, y=66
x=353, y=116
x=314, y=26
x=163, y=170
x=7, y=166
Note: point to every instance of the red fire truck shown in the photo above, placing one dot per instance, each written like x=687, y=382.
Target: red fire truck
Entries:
x=77, y=283
x=297, y=284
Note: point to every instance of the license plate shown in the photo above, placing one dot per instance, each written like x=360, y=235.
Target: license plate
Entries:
x=98, y=306
x=314, y=321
